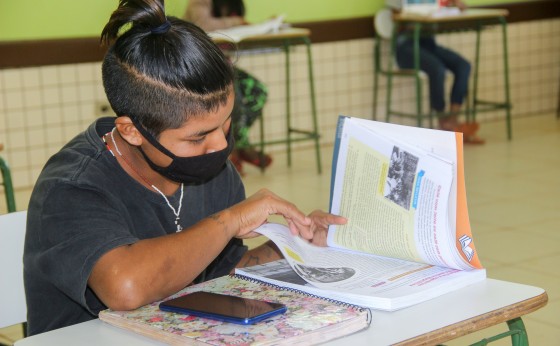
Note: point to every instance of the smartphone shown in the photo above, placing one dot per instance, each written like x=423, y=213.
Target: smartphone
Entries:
x=223, y=307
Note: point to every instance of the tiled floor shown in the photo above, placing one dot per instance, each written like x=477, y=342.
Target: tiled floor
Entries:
x=512, y=190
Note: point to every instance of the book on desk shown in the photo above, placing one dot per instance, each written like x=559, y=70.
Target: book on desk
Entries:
x=408, y=237
x=429, y=8
x=308, y=320
x=238, y=33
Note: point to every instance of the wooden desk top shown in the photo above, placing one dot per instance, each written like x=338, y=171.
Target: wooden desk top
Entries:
x=480, y=322
x=467, y=15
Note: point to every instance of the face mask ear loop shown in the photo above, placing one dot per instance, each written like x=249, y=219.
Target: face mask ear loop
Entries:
x=150, y=138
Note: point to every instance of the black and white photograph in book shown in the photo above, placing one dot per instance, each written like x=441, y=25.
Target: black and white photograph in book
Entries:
x=318, y=274
x=400, y=177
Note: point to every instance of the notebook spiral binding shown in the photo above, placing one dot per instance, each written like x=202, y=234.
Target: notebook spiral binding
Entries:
x=334, y=301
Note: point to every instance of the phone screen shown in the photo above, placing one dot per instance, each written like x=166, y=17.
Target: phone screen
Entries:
x=223, y=307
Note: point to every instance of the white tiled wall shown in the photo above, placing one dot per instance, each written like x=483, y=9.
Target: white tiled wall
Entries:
x=42, y=108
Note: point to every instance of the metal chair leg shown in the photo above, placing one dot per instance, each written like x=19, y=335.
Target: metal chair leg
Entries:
x=8, y=186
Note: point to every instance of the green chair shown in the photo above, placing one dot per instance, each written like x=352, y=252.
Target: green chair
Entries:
x=384, y=27
x=8, y=187
x=384, y=31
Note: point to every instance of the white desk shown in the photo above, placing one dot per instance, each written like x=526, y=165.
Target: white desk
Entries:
x=450, y=316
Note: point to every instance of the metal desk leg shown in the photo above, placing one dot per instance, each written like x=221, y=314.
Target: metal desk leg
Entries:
x=390, y=74
x=419, y=93
x=558, y=107
x=261, y=144
x=506, y=105
x=8, y=186
x=376, y=72
x=288, y=102
x=315, y=133
x=517, y=332
x=506, y=76
x=475, y=74
x=296, y=134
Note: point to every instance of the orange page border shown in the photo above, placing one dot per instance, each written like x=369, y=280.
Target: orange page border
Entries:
x=463, y=226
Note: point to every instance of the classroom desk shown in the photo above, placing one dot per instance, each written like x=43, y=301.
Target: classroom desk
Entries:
x=470, y=19
x=450, y=316
x=285, y=39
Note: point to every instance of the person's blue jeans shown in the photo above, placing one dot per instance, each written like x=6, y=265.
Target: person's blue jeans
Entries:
x=434, y=61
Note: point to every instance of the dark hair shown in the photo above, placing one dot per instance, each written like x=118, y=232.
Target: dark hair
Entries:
x=227, y=8
x=161, y=70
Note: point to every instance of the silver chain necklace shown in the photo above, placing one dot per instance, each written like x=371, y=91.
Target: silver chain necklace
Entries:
x=175, y=212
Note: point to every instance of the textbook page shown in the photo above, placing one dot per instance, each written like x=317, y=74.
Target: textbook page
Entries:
x=440, y=143
x=449, y=146
x=353, y=277
x=396, y=197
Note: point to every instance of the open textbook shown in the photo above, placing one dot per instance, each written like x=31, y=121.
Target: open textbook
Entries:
x=408, y=236
x=238, y=33
x=430, y=8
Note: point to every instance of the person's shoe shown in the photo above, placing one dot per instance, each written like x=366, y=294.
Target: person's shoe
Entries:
x=473, y=139
x=467, y=129
x=255, y=157
x=236, y=160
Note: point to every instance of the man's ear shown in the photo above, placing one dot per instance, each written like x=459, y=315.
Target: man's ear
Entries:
x=128, y=131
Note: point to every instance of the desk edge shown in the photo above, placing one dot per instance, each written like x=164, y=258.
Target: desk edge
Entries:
x=480, y=322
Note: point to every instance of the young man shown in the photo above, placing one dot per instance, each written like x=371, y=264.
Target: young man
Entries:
x=138, y=207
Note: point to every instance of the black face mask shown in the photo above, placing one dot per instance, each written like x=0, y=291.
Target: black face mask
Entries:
x=193, y=169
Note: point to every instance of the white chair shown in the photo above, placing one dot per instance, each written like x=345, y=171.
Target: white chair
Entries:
x=13, y=308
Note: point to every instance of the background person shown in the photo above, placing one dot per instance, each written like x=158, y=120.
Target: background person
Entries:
x=435, y=60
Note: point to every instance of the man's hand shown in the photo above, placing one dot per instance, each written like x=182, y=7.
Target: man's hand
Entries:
x=320, y=222
x=255, y=210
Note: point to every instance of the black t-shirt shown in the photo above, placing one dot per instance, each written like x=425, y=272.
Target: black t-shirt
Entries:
x=83, y=205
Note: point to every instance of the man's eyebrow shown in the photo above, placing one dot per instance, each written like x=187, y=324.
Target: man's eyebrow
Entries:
x=202, y=133
x=205, y=132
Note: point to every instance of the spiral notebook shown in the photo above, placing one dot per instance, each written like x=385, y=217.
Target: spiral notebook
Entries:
x=309, y=319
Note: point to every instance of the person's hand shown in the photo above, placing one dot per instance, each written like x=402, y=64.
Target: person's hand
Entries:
x=320, y=222
x=255, y=210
